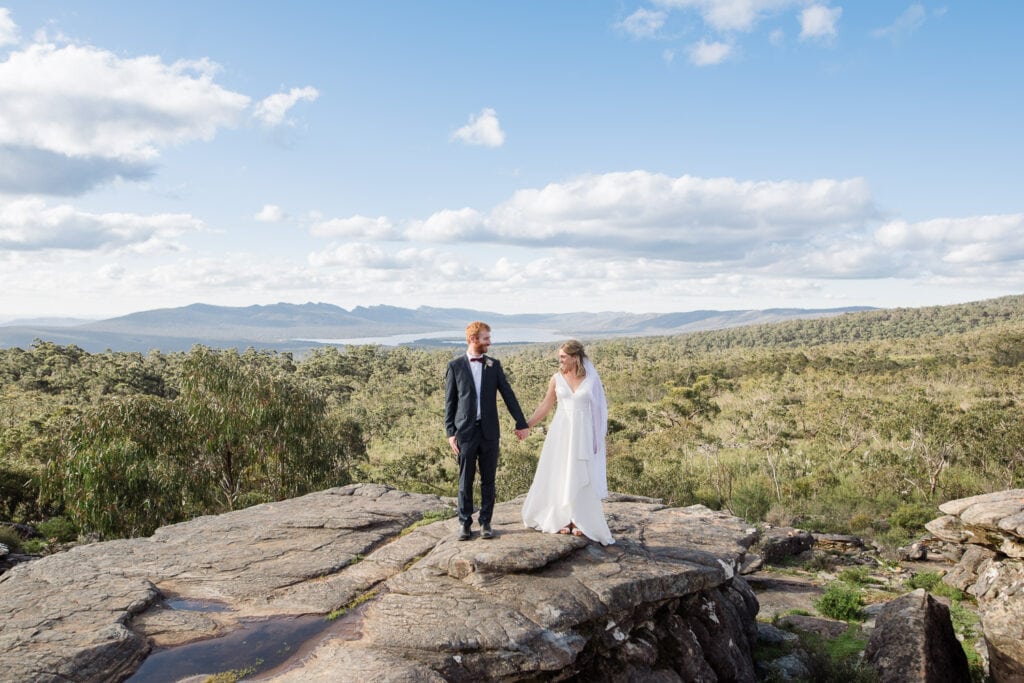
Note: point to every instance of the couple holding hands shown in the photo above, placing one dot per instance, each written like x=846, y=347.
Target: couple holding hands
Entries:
x=570, y=480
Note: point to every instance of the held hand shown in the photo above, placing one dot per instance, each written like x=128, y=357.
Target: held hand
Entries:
x=522, y=433
x=453, y=442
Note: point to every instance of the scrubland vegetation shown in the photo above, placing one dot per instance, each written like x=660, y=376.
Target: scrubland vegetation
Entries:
x=859, y=423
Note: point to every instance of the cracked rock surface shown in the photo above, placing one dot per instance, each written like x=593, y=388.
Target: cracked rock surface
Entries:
x=991, y=529
x=665, y=602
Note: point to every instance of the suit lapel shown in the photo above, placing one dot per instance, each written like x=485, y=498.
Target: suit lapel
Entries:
x=484, y=373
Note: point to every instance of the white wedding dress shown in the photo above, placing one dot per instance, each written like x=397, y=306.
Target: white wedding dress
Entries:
x=570, y=479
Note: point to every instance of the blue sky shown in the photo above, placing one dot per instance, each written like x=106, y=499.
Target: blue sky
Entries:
x=664, y=155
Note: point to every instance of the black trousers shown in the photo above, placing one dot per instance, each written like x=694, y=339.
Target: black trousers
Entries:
x=477, y=453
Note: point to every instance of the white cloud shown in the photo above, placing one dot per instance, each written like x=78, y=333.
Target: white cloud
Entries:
x=905, y=24
x=363, y=227
x=74, y=116
x=725, y=20
x=448, y=225
x=354, y=255
x=272, y=110
x=976, y=248
x=8, y=29
x=685, y=218
x=112, y=271
x=704, y=53
x=29, y=224
x=84, y=102
x=643, y=23
x=731, y=15
x=955, y=243
x=483, y=129
x=235, y=279
x=270, y=213
x=818, y=22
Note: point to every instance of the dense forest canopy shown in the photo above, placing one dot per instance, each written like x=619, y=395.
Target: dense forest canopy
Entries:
x=862, y=422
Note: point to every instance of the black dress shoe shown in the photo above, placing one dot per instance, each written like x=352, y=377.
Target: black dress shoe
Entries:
x=485, y=531
x=465, y=534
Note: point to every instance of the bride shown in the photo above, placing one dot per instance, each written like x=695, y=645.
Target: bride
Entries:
x=570, y=481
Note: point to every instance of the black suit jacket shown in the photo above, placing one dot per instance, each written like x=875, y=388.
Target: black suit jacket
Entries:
x=460, y=398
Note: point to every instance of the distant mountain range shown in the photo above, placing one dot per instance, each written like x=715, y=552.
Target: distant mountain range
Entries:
x=299, y=327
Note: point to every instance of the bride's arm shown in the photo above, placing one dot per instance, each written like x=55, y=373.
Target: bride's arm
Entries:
x=545, y=406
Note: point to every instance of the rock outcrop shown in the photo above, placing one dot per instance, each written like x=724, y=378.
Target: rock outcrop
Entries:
x=913, y=640
x=779, y=543
x=665, y=602
x=991, y=568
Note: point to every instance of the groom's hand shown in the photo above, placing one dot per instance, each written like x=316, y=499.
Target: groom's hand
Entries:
x=453, y=442
x=522, y=433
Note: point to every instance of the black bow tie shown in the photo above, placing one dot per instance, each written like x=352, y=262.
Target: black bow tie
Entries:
x=477, y=360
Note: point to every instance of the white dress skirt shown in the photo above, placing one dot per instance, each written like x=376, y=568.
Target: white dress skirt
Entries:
x=570, y=477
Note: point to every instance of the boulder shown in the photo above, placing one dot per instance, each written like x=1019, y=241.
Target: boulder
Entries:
x=913, y=640
x=665, y=602
x=915, y=552
x=991, y=567
x=842, y=543
x=790, y=667
x=779, y=543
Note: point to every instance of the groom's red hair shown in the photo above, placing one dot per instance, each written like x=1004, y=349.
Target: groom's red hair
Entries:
x=474, y=328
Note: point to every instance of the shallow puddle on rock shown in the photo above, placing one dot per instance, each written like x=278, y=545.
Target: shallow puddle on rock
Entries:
x=256, y=646
x=188, y=605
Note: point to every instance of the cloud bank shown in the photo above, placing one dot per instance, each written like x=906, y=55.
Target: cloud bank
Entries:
x=32, y=225
x=75, y=116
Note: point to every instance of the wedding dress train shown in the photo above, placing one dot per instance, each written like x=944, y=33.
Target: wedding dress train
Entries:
x=570, y=479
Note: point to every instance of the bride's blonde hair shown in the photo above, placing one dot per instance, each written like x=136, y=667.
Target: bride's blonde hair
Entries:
x=574, y=349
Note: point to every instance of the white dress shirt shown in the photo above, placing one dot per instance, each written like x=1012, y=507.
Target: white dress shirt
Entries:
x=478, y=373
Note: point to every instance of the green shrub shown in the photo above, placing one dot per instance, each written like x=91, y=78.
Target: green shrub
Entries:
x=838, y=661
x=860, y=522
x=10, y=538
x=933, y=583
x=751, y=500
x=57, y=529
x=925, y=580
x=913, y=516
x=234, y=675
x=34, y=546
x=780, y=515
x=841, y=601
x=858, y=576
x=18, y=493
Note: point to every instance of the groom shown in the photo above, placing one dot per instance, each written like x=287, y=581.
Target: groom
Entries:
x=472, y=384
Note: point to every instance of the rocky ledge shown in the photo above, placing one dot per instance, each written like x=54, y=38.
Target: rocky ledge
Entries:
x=665, y=603
x=988, y=532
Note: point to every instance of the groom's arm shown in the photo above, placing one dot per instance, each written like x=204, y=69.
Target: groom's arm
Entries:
x=509, y=397
x=451, y=400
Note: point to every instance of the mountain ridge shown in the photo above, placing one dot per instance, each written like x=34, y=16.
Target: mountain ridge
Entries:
x=295, y=327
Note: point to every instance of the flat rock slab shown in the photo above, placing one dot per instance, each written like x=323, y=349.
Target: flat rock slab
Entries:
x=665, y=597
x=70, y=616
x=780, y=594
